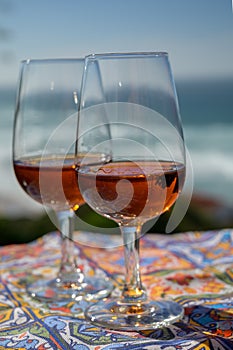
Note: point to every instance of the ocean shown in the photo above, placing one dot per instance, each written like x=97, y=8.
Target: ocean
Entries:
x=207, y=114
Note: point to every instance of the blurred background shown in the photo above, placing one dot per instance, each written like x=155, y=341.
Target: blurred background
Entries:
x=198, y=36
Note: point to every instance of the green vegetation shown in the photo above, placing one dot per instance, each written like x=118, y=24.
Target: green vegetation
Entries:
x=201, y=215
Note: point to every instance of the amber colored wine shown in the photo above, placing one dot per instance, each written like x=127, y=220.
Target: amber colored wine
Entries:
x=126, y=190
x=51, y=181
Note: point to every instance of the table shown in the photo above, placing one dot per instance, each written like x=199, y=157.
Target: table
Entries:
x=194, y=268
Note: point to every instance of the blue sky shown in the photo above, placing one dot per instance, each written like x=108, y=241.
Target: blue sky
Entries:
x=198, y=34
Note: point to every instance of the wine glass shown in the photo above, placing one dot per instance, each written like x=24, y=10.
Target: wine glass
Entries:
x=141, y=174
x=44, y=164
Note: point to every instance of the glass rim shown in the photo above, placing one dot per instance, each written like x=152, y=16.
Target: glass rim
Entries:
x=127, y=54
x=50, y=60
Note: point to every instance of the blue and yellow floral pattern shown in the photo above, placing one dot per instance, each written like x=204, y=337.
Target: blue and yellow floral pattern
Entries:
x=194, y=268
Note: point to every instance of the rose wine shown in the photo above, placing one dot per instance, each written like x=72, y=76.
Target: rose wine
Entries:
x=51, y=181
x=126, y=190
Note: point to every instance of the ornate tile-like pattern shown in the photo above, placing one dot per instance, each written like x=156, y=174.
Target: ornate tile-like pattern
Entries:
x=194, y=268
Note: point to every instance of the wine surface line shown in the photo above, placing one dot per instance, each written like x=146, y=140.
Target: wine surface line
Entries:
x=129, y=189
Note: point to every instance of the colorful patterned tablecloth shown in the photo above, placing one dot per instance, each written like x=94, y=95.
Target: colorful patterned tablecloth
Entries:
x=193, y=268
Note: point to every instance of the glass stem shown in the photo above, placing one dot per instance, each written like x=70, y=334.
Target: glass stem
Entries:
x=133, y=289
x=69, y=272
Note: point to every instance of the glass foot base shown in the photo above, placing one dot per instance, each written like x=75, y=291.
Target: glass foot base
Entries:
x=115, y=314
x=90, y=289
